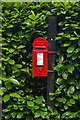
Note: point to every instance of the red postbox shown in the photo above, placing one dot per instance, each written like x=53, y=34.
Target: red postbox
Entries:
x=40, y=57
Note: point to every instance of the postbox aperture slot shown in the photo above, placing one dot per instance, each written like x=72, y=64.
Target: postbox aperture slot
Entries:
x=39, y=47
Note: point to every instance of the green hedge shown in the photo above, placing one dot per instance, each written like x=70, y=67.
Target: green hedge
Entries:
x=24, y=97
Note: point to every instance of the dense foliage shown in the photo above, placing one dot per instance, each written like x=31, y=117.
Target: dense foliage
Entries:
x=24, y=97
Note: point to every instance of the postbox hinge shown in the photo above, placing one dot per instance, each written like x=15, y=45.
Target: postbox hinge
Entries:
x=51, y=51
x=51, y=71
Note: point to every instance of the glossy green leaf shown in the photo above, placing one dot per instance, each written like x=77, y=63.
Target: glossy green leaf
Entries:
x=14, y=81
x=79, y=42
x=75, y=96
x=72, y=101
x=65, y=106
x=15, y=95
x=73, y=38
x=63, y=100
x=11, y=50
x=11, y=62
x=18, y=65
x=8, y=85
x=74, y=14
x=9, y=34
x=39, y=100
x=74, y=56
x=37, y=114
x=68, y=103
x=44, y=109
x=70, y=68
x=10, y=26
x=20, y=47
x=78, y=85
x=71, y=89
x=7, y=116
x=19, y=115
x=70, y=49
x=1, y=92
x=66, y=44
x=59, y=80
x=13, y=114
x=36, y=107
x=6, y=110
x=65, y=75
x=50, y=109
x=6, y=98
x=30, y=103
x=7, y=12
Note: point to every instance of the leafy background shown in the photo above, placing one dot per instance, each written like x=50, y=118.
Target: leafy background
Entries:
x=24, y=97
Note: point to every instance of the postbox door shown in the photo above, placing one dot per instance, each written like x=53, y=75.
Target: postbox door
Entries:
x=40, y=63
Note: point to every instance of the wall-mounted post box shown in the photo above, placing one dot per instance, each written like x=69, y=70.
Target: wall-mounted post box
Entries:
x=40, y=57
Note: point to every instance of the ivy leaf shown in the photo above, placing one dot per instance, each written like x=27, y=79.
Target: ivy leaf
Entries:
x=6, y=98
x=19, y=115
x=30, y=103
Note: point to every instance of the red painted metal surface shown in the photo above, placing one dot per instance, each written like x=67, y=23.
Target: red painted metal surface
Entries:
x=51, y=51
x=51, y=71
x=40, y=57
